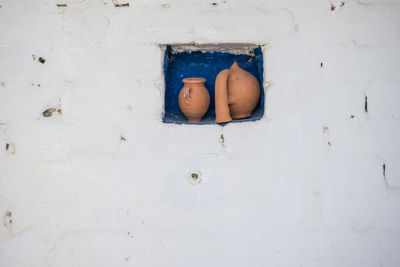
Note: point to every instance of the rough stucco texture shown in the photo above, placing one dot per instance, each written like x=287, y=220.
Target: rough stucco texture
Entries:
x=103, y=182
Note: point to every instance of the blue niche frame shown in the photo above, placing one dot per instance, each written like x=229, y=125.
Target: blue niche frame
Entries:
x=180, y=65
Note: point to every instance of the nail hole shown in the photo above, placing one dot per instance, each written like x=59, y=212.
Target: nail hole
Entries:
x=214, y=4
x=194, y=177
x=322, y=64
x=42, y=60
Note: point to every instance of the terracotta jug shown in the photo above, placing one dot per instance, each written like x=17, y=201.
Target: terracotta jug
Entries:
x=194, y=99
x=237, y=93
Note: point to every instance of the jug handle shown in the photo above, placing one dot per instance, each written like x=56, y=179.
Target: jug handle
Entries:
x=186, y=94
x=222, y=112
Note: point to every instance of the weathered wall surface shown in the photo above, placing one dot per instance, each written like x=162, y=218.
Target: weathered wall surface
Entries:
x=102, y=181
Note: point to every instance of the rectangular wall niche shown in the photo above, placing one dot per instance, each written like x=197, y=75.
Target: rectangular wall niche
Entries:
x=206, y=61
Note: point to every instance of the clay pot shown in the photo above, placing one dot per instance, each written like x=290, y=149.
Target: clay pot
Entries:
x=194, y=99
x=237, y=93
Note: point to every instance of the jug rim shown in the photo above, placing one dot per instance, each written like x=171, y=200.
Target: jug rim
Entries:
x=194, y=80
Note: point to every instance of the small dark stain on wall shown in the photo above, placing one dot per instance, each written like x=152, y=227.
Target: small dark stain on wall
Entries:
x=121, y=5
x=62, y=5
x=48, y=112
x=333, y=7
x=42, y=60
x=384, y=170
x=366, y=104
x=322, y=64
x=384, y=175
x=2, y=83
x=341, y=4
x=10, y=148
x=8, y=219
x=352, y=116
x=214, y=4
x=122, y=138
x=329, y=143
x=222, y=140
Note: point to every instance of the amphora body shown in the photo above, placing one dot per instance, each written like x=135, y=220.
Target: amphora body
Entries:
x=237, y=93
x=194, y=99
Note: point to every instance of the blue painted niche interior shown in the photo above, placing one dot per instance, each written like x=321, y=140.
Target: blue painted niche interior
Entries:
x=180, y=65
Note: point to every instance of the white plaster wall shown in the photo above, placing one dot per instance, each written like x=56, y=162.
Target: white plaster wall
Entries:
x=304, y=186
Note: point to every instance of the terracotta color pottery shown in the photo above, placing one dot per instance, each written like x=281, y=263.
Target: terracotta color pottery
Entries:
x=237, y=93
x=194, y=99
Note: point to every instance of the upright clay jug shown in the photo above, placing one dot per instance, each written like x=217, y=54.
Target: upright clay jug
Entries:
x=237, y=93
x=194, y=99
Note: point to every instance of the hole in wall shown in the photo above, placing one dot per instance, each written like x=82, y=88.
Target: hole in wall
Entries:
x=207, y=61
x=194, y=177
